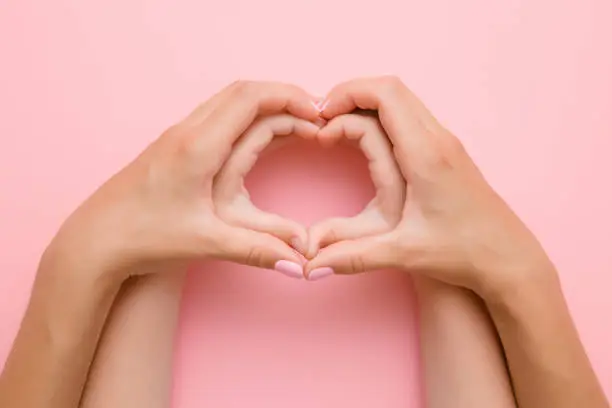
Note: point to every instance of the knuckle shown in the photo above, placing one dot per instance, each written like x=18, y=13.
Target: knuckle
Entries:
x=174, y=131
x=446, y=153
x=331, y=235
x=245, y=88
x=391, y=84
x=452, y=145
x=254, y=256
x=357, y=264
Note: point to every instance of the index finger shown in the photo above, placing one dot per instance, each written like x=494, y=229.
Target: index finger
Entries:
x=248, y=100
x=407, y=122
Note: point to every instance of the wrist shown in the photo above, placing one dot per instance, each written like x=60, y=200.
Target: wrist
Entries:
x=520, y=285
x=80, y=269
x=68, y=304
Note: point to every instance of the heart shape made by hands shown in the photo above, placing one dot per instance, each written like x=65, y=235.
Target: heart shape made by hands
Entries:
x=383, y=212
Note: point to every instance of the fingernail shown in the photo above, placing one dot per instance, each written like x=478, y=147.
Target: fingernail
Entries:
x=291, y=269
x=316, y=105
x=320, y=273
x=322, y=105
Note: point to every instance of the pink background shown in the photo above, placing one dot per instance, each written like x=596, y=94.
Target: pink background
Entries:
x=527, y=85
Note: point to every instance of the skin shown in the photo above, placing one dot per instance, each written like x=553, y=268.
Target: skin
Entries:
x=132, y=367
x=155, y=215
x=460, y=346
x=455, y=229
x=159, y=214
x=460, y=349
x=362, y=130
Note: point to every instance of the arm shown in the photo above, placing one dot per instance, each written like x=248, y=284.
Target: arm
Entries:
x=55, y=345
x=456, y=229
x=132, y=367
x=548, y=363
x=156, y=211
x=463, y=362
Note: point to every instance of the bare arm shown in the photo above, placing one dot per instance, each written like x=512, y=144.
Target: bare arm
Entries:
x=463, y=362
x=455, y=228
x=548, y=362
x=157, y=210
x=55, y=345
x=132, y=367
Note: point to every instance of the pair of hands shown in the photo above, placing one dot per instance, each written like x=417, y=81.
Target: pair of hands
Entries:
x=183, y=198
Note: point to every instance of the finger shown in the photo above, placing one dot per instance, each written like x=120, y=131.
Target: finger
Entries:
x=356, y=256
x=368, y=132
x=200, y=113
x=333, y=230
x=257, y=249
x=405, y=119
x=229, y=184
x=289, y=231
x=246, y=101
x=276, y=144
x=246, y=151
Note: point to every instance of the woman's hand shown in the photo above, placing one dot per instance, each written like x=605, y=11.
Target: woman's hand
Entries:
x=154, y=214
x=363, y=129
x=384, y=211
x=160, y=207
x=454, y=227
x=232, y=199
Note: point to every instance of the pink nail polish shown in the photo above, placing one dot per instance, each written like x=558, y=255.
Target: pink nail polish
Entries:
x=320, y=273
x=291, y=269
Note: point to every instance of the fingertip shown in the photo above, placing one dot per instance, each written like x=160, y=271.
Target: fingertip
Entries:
x=307, y=130
x=319, y=273
x=312, y=249
x=290, y=269
x=315, y=235
x=321, y=260
x=323, y=104
x=299, y=242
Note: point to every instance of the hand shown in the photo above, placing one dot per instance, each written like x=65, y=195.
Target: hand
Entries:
x=384, y=212
x=231, y=198
x=160, y=207
x=454, y=227
x=380, y=215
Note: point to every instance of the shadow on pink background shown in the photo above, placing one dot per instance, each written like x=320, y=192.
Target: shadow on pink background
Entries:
x=527, y=86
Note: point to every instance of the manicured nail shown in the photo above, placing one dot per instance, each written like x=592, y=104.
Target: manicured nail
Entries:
x=316, y=105
x=320, y=273
x=322, y=105
x=291, y=269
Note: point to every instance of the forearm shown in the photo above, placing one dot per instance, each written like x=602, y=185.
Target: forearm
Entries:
x=53, y=350
x=133, y=363
x=462, y=359
x=547, y=361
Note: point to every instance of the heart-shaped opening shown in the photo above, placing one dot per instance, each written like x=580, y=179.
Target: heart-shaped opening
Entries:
x=375, y=216
x=307, y=182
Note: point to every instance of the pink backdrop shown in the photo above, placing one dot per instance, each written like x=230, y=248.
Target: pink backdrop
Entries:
x=527, y=85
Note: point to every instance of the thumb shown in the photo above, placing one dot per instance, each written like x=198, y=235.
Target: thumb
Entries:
x=250, y=217
x=332, y=230
x=355, y=256
x=257, y=249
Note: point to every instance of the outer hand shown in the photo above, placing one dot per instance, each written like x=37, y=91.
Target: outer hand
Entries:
x=160, y=207
x=454, y=227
